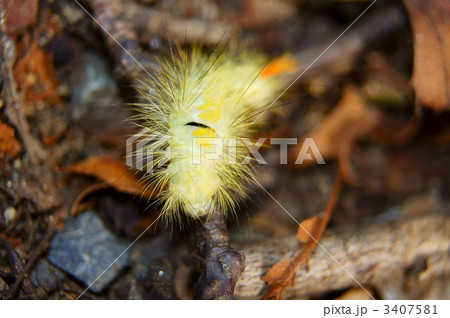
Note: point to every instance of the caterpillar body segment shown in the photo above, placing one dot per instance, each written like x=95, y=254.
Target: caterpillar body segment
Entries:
x=199, y=107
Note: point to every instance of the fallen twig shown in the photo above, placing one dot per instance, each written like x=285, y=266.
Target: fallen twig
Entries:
x=149, y=22
x=122, y=39
x=374, y=254
x=282, y=274
x=14, y=107
x=373, y=27
x=22, y=270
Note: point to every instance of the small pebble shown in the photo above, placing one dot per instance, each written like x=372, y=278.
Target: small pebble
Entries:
x=85, y=249
x=72, y=13
x=9, y=214
x=94, y=86
x=17, y=163
x=46, y=275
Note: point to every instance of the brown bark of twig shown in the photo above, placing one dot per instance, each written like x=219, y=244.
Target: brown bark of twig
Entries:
x=122, y=22
x=14, y=106
x=344, y=51
x=149, y=22
x=221, y=265
x=121, y=38
x=373, y=254
x=21, y=270
x=279, y=282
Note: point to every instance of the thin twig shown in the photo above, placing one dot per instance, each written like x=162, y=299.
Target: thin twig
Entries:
x=14, y=106
x=22, y=271
x=286, y=277
x=377, y=254
x=122, y=39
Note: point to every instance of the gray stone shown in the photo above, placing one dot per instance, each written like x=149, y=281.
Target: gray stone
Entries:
x=94, y=85
x=85, y=249
x=46, y=275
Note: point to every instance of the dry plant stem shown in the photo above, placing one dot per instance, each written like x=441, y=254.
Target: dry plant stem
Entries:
x=374, y=254
x=149, y=22
x=21, y=270
x=275, y=289
x=14, y=109
x=86, y=192
x=122, y=22
x=110, y=15
x=343, y=52
x=221, y=265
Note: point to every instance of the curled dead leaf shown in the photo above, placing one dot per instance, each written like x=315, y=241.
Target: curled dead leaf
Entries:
x=9, y=145
x=282, y=274
x=351, y=111
x=276, y=272
x=430, y=21
x=308, y=228
x=260, y=13
x=17, y=17
x=351, y=120
x=35, y=75
x=113, y=172
x=355, y=294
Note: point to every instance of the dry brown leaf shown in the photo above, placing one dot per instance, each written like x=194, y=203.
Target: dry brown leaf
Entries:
x=112, y=171
x=430, y=21
x=17, y=17
x=77, y=203
x=355, y=294
x=348, y=122
x=307, y=228
x=282, y=274
x=351, y=112
x=276, y=271
x=35, y=74
x=261, y=13
x=9, y=145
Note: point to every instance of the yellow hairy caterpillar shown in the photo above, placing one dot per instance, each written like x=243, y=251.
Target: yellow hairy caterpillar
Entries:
x=198, y=109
